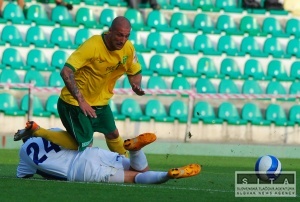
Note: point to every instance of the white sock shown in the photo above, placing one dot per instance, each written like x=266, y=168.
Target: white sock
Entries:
x=138, y=160
x=151, y=177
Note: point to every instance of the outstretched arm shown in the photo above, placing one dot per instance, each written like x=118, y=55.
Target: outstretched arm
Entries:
x=135, y=82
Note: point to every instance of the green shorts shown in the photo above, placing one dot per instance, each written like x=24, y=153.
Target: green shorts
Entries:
x=83, y=127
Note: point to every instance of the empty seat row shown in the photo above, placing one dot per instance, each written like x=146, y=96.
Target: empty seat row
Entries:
x=155, y=109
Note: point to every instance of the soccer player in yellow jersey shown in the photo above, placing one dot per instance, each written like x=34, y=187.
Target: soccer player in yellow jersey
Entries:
x=90, y=74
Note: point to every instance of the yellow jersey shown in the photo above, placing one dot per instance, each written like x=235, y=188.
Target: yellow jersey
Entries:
x=96, y=70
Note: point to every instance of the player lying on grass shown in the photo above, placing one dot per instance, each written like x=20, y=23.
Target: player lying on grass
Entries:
x=40, y=156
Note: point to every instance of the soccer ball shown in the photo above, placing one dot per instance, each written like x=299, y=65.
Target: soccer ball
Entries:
x=268, y=168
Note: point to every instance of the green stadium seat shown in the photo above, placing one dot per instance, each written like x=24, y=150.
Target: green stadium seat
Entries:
x=206, y=67
x=157, y=111
x=37, y=106
x=205, y=23
x=157, y=42
x=179, y=110
x=227, y=45
x=36, y=36
x=159, y=65
x=203, y=44
x=229, y=113
x=182, y=65
x=250, y=25
x=276, y=88
x=138, y=42
x=250, y=46
x=58, y=59
x=271, y=25
x=55, y=80
x=126, y=83
x=12, y=58
x=131, y=109
x=12, y=12
x=12, y=35
x=292, y=27
x=93, y=2
x=116, y=3
x=9, y=105
x=182, y=4
x=181, y=22
x=36, y=59
x=204, y=85
x=74, y=2
x=205, y=112
x=295, y=88
x=253, y=69
x=252, y=87
x=277, y=115
x=277, y=70
x=229, y=6
x=115, y=110
x=273, y=47
x=252, y=113
x=227, y=24
x=82, y=35
x=85, y=16
x=145, y=70
x=37, y=13
x=295, y=70
x=36, y=77
x=157, y=20
x=294, y=114
x=107, y=15
x=62, y=16
x=51, y=105
x=229, y=68
x=293, y=47
x=206, y=5
x=228, y=86
x=180, y=42
x=136, y=19
x=180, y=83
x=9, y=76
x=61, y=38
x=157, y=82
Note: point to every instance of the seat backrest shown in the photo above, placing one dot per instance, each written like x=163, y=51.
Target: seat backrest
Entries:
x=250, y=25
x=294, y=113
x=225, y=4
x=228, y=111
x=55, y=80
x=180, y=3
x=227, y=45
x=37, y=59
x=206, y=66
x=180, y=83
x=60, y=37
x=37, y=13
x=11, y=34
x=82, y=35
x=131, y=108
x=204, y=85
x=272, y=26
x=295, y=70
x=227, y=86
x=35, y=35
x=203, y=110
x=136, y=40
x=292, y=27
x=85, y=16
x=159, y=64
x=60, y=14
x=180, y=42
x=12, y=57
x=253, y=68
x=293, y=47
x=156, y=19
x=182, y=65
x=295, y=88
x=226, y=23
x=51, y=104
x=275, y=112
x=204, y=22
x=58, y=59
x=142, y=62
x=276, y=69
x=156, y=41
x=203, y=3
x=252, y=87
x=203, y=43
x=156, y=82
x=107, y=16
x=250, y=45
x=275, y=88
x=180, y=20
x=9, y=76
x=135, y=18
x=251, y=112
x=229, y=67
x=178, y=109
x=155, y=108
x=8, y=102
x=272, y=46
x=36, y=77
x=13, y=12
x=37, y=104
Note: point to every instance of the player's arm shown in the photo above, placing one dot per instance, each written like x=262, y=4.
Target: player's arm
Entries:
x=67, y=75
x=135, y=82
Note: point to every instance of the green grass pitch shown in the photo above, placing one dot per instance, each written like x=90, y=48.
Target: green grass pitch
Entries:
x=214, y=183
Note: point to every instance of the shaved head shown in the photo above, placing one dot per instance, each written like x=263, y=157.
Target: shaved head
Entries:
x=120, y=21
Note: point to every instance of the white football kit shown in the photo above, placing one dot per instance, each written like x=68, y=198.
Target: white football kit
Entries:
x=39, y=156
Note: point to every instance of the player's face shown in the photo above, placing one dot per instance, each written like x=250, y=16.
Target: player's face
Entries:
x=119, y=36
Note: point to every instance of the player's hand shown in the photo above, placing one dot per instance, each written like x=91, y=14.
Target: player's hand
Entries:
x=138, y=90
x=87, y=109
